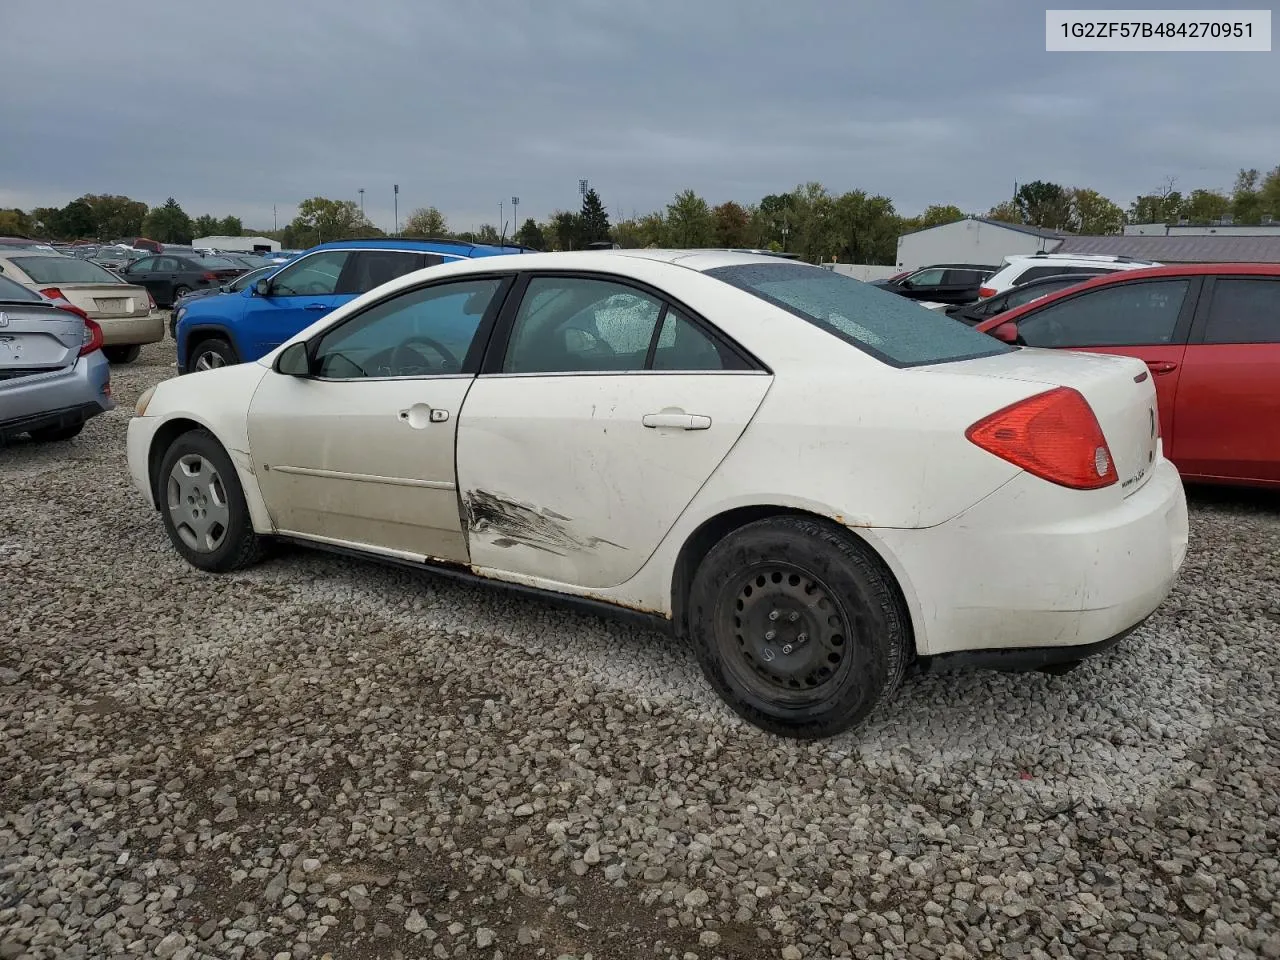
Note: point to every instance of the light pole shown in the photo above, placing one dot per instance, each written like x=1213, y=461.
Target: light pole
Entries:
x=395, y=188
x=582, y=189
x=502, y=230
x=515, y=215
x=361, y=192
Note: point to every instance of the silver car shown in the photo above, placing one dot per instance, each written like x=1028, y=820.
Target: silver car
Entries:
x=53, y=374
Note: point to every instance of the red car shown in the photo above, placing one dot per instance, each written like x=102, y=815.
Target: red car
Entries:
x=1210, y=335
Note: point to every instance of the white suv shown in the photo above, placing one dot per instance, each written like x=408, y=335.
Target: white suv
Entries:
x=1020, y=268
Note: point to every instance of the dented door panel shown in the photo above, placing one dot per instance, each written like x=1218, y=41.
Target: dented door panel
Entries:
x=560, y=478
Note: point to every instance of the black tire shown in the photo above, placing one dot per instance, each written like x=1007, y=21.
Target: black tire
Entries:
x=122, y=354
x=238, y=546
x=178, y=293
x=825, y=669
x=54, y=434
x=216, y=350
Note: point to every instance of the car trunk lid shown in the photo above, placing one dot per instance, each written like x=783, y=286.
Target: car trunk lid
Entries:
x=1118, y=389
x=37, y=338
x=105, y=301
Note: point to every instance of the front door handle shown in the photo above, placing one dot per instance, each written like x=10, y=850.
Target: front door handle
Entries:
x=421, y=414
x=317, y=306
x=682, y=421
x=1162, y=366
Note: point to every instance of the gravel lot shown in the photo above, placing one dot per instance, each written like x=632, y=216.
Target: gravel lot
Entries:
x=327, y=758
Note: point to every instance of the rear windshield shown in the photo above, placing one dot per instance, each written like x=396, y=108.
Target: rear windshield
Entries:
x=12, y=291
x=889, y=327
x=63, y=270
x=219, y=263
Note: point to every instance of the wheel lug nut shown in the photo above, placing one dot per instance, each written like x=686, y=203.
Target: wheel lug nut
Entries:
x=794, y=616
x=802, y=638
x=770, y=634
x=787, y=649
x=774, y=614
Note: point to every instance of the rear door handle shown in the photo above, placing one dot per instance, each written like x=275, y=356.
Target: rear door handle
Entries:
x=682, y=421
x=1162, y=366
x=317, y=306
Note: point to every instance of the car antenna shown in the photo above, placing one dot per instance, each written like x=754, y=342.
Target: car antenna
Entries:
x=502, y=237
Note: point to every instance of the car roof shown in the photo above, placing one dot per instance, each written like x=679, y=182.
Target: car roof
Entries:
x=1132, y=276
x=424, y=245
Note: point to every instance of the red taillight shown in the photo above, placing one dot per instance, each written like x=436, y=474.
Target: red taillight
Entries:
x=53, y=293
x=92, y=337
x=1053, y=435
x=210, y=277
x=151, y=301
x=987, y=291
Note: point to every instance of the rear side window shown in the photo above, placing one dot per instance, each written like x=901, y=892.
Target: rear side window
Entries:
x=372, y=268
x=9, y=290
x=1244, y=311
x=964, y=277
x=63, y=270
x=1124, y=315
x=890, y=328
x=1037, y=273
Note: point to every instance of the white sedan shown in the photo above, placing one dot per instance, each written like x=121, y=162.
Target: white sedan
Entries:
x=812, y=480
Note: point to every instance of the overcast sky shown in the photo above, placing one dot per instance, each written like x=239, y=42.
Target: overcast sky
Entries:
x=233, y=106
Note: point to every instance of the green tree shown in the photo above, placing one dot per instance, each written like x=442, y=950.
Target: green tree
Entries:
x=732, y=225
x=168, y=223
x=205, y=226
x=425, y=222
x=487, y=233
x=1006, y=212
x=1044, y=204
x=14, y=221
x=689, y=221
x=564, y=230
x=320, y=219
x=75, y=221
x=43, y=221
x=531, y=235
x=1246, y=198
x=865, y=229
x=1206, y=206
x=1094, y=214
x=230, y=227
x=771, y=224
x=593, y=221
x=115, y=216
x=937, y=214
x=1270, y=193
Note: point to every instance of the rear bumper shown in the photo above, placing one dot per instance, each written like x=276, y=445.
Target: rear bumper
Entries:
x=62, y=398
x=1035, y=567
x=130, y=331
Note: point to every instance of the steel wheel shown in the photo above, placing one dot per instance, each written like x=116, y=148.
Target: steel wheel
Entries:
x=197, y=502
x=788, y=639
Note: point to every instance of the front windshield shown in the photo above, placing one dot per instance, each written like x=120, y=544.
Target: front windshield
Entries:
x=885, y=325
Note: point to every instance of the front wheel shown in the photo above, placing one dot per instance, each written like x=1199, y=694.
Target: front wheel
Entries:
x=203, y=505
x=798, y=626
x=212, y=353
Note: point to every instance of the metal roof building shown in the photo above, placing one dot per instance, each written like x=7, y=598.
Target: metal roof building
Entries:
x=1179, y=249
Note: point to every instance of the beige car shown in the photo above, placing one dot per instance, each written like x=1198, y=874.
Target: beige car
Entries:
x=127, y=313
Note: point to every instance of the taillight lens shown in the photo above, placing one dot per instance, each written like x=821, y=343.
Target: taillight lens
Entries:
x=92, y=337
x=987, y=291
x=151, y=301
x=1053, y=435
x=53, y=293
x=209, y=277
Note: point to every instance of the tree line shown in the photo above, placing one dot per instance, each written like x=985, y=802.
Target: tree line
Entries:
x=810, y=221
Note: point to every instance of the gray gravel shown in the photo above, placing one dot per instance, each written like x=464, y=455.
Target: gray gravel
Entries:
x=327, y=758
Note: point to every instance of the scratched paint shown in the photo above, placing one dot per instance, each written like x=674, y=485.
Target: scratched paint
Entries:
x=512, y=523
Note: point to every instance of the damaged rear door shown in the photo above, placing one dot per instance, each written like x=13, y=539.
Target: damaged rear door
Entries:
x=603, y=415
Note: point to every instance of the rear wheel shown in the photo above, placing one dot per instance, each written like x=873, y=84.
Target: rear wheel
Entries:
x=203, y=505
x=122, y=354
x=54, y=434
x=212, y=353
x=798, y=626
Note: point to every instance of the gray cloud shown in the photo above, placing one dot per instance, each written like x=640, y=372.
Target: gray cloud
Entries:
x=234, y=106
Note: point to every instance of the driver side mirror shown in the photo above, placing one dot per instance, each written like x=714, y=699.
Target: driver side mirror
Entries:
x=293, y=360
x=1006, y=332
x=262, y=287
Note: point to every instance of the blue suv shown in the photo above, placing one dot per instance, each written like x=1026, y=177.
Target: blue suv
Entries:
x=240, y=327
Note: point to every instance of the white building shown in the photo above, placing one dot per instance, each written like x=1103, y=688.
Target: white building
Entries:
x=973, y=240
x=239, y=244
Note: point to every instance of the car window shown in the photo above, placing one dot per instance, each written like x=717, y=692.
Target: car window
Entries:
x=1244, y=311
x=144, y=265
x=248, y=279
x=963, y=277
x=575, y=325
x=422, y=333
x=11, y=290
x=1127, y=314
x=313, y=276
x=63, y=270
x=926, y=278
x=368, y=269
x=888, y=327
x=682, y=346
x=168, y=265
x=1020, y=295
